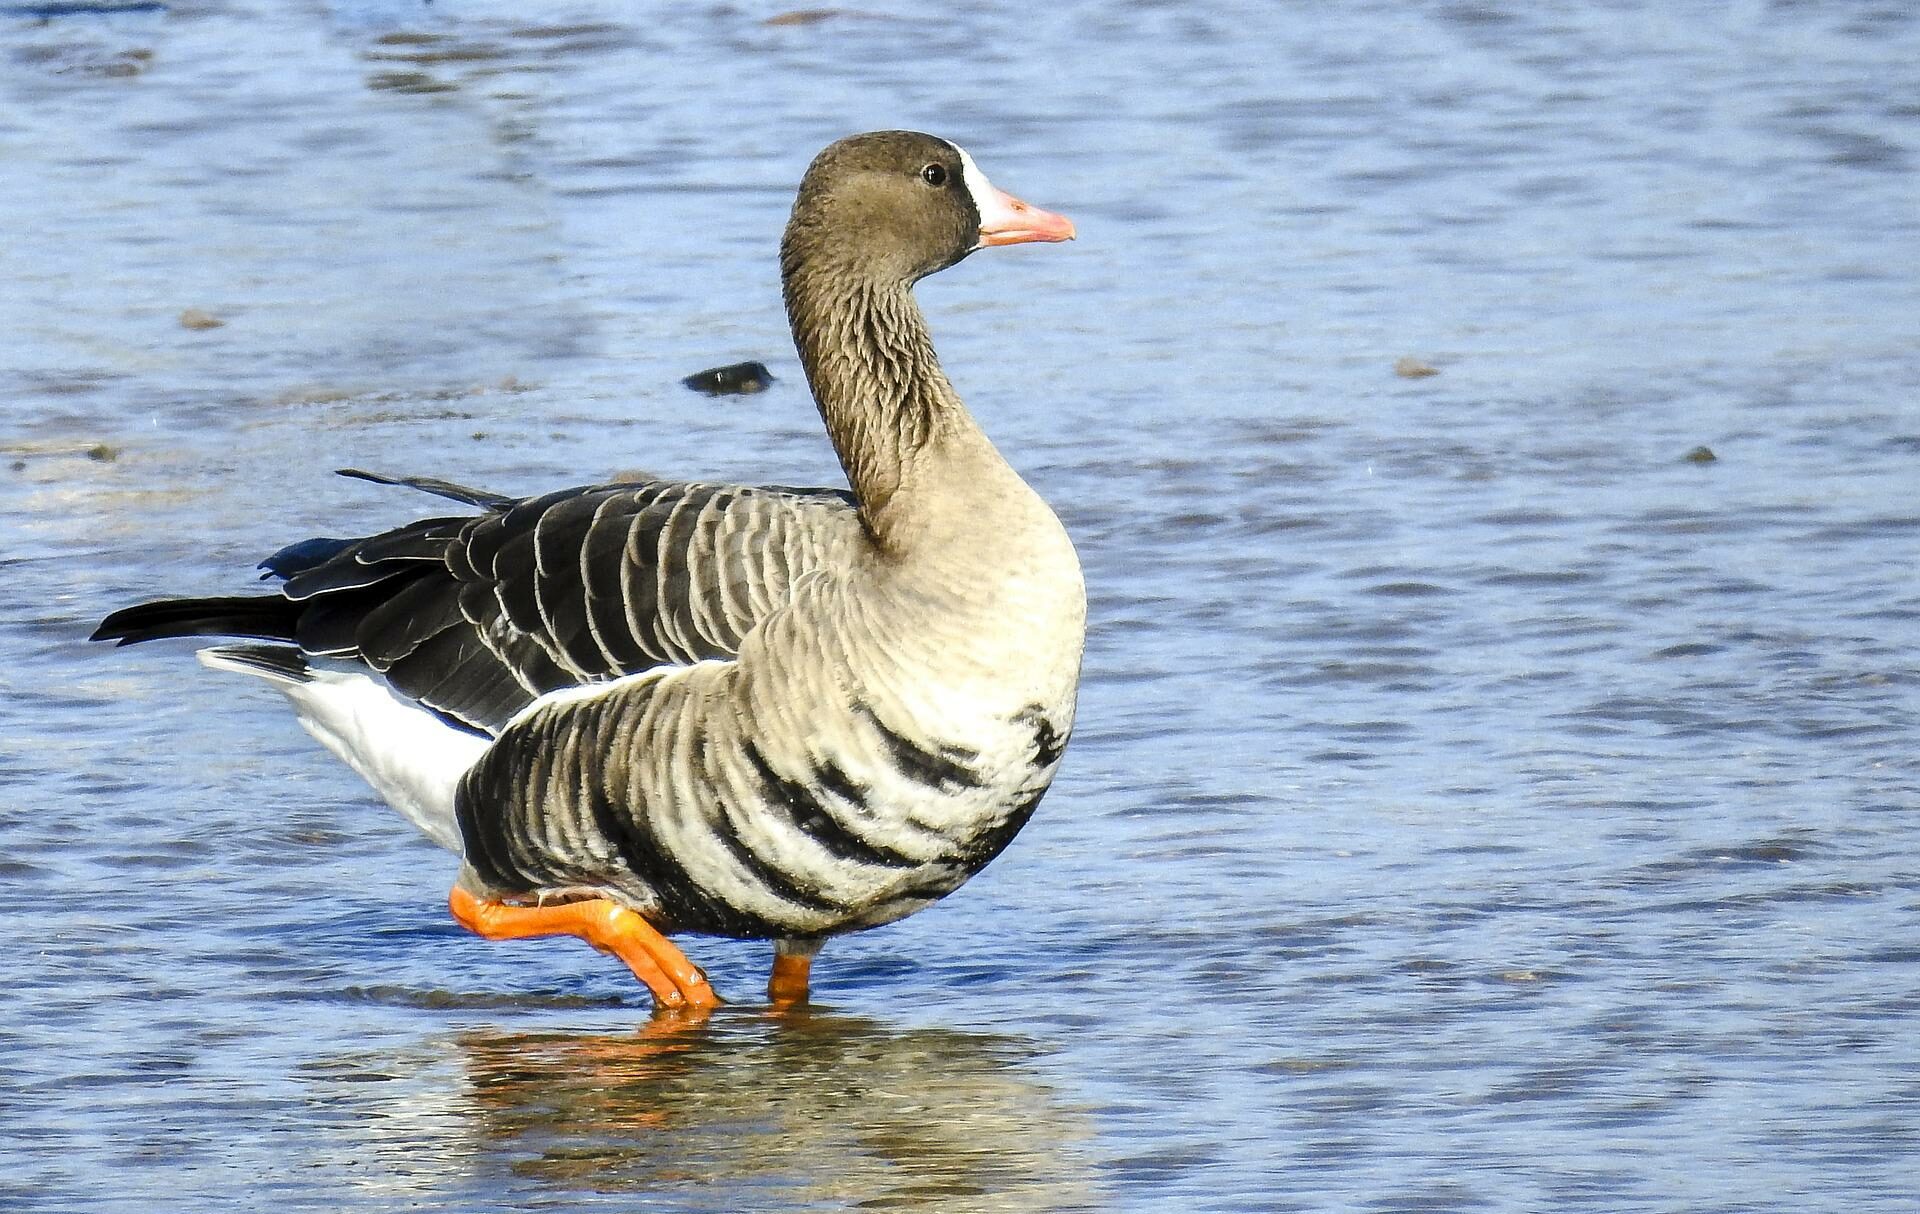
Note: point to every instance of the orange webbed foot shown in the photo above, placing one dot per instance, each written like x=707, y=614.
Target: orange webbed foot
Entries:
x=676, y=983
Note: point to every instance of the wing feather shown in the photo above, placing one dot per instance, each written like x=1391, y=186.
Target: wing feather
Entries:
x=560, y=594
x=404, y=620
x=602, y=550
x=673, y=566
x=476, y=616
x=452, y=673
x=639, y=578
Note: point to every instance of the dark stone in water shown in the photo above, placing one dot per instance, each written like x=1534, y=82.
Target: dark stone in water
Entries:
x=1701, y=455
x=740, y=379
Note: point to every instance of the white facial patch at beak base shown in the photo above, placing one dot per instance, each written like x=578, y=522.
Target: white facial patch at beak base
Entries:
x=1005, y=219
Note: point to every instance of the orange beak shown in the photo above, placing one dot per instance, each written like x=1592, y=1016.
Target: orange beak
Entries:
x=1004, y=219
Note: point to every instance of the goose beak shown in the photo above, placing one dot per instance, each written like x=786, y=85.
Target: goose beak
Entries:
x=1004, y=219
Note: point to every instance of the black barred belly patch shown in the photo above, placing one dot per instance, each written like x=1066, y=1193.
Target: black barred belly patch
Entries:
x=547, y=811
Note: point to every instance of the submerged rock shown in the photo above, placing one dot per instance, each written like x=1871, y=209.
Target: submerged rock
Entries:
x=740, y=379
x=1409, y=367
x=1700, y=455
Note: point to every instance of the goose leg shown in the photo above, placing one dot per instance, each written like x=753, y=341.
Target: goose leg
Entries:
x=792, y=966
x=675, y=982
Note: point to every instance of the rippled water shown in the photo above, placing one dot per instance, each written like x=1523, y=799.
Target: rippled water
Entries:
x=1477, y=804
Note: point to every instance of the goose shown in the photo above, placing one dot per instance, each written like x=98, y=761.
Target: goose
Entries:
x=654, y=708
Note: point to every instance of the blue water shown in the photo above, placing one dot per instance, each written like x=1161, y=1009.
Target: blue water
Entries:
x=1477, y=804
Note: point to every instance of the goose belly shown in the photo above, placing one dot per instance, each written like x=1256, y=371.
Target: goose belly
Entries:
x=719, y=803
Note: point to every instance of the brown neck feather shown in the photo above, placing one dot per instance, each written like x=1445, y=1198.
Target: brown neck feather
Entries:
x=870, y=362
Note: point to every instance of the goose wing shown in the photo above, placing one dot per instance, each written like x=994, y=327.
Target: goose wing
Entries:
x=474, y=616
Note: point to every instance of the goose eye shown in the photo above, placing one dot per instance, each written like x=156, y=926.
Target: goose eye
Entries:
x=934, y=174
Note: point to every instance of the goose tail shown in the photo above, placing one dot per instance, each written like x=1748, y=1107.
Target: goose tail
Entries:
x=412, y=757
x=281, y=664
x=266, y=617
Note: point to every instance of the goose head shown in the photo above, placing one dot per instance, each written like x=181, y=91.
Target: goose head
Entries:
x=901, y=205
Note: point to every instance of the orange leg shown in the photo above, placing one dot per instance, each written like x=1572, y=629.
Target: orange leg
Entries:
x=788, y=985
x=676, y=982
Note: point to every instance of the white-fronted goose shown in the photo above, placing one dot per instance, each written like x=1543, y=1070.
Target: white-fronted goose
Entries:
x=768, y=713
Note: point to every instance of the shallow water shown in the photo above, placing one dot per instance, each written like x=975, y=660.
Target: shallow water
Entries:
x=1476, y=805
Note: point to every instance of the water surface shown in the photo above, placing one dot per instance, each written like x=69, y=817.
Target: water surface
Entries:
x=1477, y=804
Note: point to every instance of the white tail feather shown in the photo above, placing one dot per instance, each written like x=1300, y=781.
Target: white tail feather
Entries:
x=412, y=758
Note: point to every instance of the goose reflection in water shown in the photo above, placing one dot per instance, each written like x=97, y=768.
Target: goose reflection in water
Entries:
x=801, y=1110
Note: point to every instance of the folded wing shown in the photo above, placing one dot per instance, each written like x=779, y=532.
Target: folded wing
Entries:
x=474, y=616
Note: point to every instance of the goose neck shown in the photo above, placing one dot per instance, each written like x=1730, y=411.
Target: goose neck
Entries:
x=870, y=363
